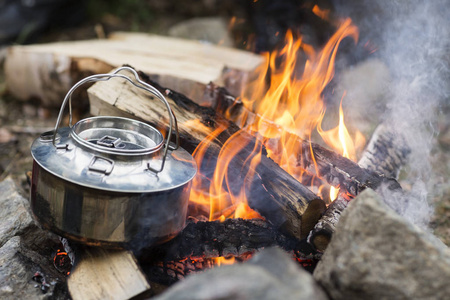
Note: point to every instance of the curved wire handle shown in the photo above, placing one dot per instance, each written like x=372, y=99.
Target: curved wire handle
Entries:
x=139, y=84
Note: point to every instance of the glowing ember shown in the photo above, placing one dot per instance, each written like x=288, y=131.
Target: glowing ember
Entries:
x=62, y=262
x=224, y=260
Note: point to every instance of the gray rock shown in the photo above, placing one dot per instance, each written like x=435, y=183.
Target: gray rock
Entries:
x=14, y=213
x=213, y=30
x=376, y=254
x=26, y=250
x=15, y=278
x=271, y=274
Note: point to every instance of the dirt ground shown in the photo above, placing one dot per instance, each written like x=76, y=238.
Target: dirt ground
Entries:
x=21, y=123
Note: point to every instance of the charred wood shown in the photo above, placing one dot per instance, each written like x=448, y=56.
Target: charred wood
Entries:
x=232, y=237
x=315, y=159
x=321, y=234
x=339, y=171
x=386, y=154
x=276, y=195
x=200, y=243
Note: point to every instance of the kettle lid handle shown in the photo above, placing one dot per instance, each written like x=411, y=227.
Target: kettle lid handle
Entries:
x=137, y=83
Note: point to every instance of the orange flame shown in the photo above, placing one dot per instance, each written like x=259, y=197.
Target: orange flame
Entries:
x=321, y=13
x=340, y=140
x=224, y=260
x=291, y=102
x=212, y=193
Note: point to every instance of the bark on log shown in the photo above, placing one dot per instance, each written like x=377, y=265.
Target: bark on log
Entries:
x=322, y=232
x=386, y=154
x=277, y=196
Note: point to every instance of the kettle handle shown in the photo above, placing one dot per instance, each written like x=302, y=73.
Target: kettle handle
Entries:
x=139, y=84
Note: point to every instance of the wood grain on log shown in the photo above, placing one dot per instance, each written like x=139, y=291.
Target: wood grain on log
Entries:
x=106, y=274
x=275, y=194
x=47, y=71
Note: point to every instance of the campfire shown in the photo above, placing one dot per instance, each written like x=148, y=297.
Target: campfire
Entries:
x=278, y=162
x=278, y=108
x=259, y=173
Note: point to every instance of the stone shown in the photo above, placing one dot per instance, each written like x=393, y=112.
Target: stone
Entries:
x=15, y=280
x=14, y=212
x=270, y=274
x=213, y=30
x=26, y=251
x=25, y=274
x=377, y=254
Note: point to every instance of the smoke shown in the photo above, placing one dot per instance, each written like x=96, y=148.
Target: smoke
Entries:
x=413, y=40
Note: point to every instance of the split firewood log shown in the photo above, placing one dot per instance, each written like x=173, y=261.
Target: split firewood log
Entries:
x=276, y=195
x=47, y=71
x=386, y=152
x=106, y=274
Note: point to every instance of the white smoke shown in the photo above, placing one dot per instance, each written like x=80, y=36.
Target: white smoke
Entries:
x=413, y=40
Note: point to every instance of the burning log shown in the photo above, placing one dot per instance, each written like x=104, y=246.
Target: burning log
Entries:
x=386, y=154
x=232, y=237
x=276, y=195
x=321, y=234
x=200, y=245
x=338, y=171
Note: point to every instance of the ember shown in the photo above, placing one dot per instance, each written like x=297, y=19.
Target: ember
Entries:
x=40, y=279
x=62, y=262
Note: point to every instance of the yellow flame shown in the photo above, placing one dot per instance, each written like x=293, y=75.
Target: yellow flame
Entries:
x=285, y=98
x=224, y=260
x=334, y=192
x=340, y=140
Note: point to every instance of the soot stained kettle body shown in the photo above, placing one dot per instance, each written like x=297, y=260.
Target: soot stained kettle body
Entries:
x=111, y=181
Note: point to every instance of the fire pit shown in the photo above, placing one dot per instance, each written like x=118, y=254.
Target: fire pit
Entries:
x=271, y=172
